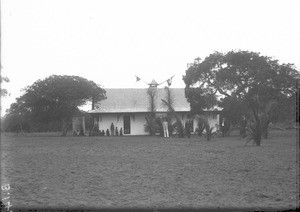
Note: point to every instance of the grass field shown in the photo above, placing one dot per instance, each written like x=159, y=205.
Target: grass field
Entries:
x=150, y=172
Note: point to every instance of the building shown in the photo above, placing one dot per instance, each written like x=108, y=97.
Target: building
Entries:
x=127, y=108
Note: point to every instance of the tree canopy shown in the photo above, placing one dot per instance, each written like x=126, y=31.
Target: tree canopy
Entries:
x=56, y=98
x=227, y=80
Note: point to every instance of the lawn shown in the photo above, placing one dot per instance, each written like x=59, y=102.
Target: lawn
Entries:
x=149, y=172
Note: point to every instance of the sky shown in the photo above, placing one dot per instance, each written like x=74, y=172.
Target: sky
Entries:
x=111, y=41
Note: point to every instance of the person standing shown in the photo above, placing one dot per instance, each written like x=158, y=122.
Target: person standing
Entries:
x=165, y=128
x=112, y=129
x=117, y=132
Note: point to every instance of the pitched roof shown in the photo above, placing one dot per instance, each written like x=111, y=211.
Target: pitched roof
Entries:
x=130, y=100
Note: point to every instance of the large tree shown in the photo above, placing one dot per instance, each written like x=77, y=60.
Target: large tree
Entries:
x=57, y=98
x=17, y=118
x=232, y=80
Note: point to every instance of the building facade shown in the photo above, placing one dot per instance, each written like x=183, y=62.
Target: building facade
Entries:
x=128, y=108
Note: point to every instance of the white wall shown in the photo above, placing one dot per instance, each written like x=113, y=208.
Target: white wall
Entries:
x=137, y=122
x=213, y=119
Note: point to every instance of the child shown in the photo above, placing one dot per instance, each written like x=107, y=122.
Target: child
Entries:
x=107, y=133
x=117, y=132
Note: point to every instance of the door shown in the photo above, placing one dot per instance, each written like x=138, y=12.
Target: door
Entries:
x=126, y=124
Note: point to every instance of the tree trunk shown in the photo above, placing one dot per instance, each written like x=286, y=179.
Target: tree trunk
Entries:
x=257, y=138
x=64, y=127
x=265, y=129
x=208, y=133
x=21, y=128
x=227, y=128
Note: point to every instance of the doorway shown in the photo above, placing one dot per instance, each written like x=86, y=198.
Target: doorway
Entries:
x=126, y=124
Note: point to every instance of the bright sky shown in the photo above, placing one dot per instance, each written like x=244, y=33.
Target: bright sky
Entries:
x=110, y=41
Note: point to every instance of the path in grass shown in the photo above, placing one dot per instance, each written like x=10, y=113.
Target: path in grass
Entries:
x=149, y=172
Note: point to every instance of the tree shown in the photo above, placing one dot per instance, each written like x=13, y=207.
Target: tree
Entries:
x=3, y=90
x=178, y=124
x=266, y=116
x=232, y=80
x=152, y=125
x=58, y=98
x=169, y=98
x=16, y=119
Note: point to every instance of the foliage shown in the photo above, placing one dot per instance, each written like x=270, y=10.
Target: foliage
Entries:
x=256, y=129
x=200, y=127
x=235, y=75
x=169, y=98
x=154, y=124
x=151, y=123
x=202, y=120
x=200, y=99
x=3, y=90
x=95, y=131
x=230, y=80
x=152, y=95
x=253, y=134
x=89, y=121
x=56, y=98
x=209, y=132
x=20, y=123
x=17, y=119
x=233, y=109
x=178, y=124
x=172, y=127
x=267, y=115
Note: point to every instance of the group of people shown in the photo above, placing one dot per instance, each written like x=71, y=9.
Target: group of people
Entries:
x=114, y=131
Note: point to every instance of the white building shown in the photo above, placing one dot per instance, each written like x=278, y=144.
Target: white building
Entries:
x=127, y=108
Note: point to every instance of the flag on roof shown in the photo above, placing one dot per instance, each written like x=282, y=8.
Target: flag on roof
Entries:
x=137, y=78
x=169, y=81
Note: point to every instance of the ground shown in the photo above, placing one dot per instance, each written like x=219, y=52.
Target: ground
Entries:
x=149, y=172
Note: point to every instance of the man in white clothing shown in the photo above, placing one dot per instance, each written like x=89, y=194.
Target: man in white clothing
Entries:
x=165, y=127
